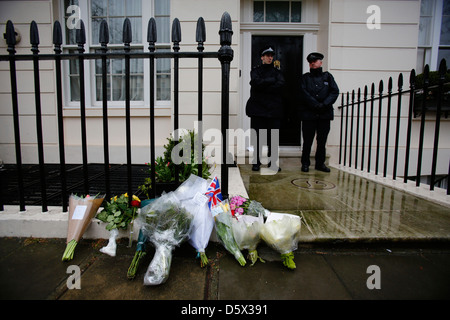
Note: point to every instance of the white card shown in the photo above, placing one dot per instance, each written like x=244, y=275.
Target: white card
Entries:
x=78, y=213
x=200, y=199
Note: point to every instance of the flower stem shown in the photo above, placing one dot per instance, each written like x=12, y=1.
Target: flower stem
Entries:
x=253, y=257
x=135, y=264
x=288, y=260
x=70, y=248
x=203, y=259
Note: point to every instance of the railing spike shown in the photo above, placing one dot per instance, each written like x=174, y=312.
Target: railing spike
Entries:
x=81, y=34
x=426, y=75
x=380, y=87
x=151, y=32
x=412, y=77
x=365, y=91
x=57, y=33
x=200, y=34
x=104, y=33
x=226, y=30
x=442, y=67
x=10, y=35
x=390, y=84
x=126, y=35
x=400, y=80
x=34, y=34
x=176, y=34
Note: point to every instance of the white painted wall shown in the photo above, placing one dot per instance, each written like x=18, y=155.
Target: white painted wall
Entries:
x=354, y=54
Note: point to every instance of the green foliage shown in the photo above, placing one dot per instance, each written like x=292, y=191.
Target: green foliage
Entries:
x=117, y=213
x=165, y=168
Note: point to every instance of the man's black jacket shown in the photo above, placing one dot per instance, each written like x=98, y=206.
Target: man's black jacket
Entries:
x=318, y=93
x=266, y=93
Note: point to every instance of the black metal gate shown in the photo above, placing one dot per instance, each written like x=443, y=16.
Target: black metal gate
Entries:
x=224, y=55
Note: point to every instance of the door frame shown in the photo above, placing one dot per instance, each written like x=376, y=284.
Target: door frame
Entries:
x=309, y=45
x=308, y=28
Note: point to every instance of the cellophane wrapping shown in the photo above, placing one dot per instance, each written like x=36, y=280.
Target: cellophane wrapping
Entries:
x=166, y=224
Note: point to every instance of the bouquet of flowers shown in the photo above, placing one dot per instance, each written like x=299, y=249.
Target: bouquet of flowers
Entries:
x=223, y=224
x=166, y=224
x=191, y=194
x=81, y=212
x=141, y=251
x=280, y=232
x=246, y=225
x=118, y=213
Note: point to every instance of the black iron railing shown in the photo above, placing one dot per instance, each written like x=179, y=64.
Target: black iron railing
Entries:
x=358, y=110
x=224, y=55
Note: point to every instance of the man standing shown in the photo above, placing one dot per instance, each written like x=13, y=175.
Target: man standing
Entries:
x=265, y=105
x=319, y=91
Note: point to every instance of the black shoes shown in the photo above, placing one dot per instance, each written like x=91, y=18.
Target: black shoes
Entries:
x=256, y=167
x=322, y=167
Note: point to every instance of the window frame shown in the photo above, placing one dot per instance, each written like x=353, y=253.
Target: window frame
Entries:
x=265, y=11
x=428, y=53
x=148, y=9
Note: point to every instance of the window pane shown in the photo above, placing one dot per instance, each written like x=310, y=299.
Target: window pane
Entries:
x=96, y=30
x=137, y=66
x=133, y=7
x=74, y=88
x=445, y=30
x=258, y=11
x=73, y=65
x=443, y=54
x=118, y=66
x=118, y=88
x=116, y=8
x=163, y=65
x=99, y=8
x=99, y=85
x=163, y=87
x=424, y=31
x=98, y=64
x=426, y=7
x=163, y=29
x=137, y=88
x=277, y=11
x=296, y=11
x=115, y=30
x=136, y=30
x=162, y=7
x=446, y=8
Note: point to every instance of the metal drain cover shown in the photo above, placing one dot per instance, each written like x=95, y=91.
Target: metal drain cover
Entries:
x=314, y=184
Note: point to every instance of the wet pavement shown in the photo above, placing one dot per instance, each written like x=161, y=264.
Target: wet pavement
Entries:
x=359, y=241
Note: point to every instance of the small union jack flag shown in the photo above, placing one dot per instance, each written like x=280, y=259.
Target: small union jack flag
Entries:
x=214, y=193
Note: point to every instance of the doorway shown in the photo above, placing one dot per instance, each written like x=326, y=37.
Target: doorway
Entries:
x=289, y=54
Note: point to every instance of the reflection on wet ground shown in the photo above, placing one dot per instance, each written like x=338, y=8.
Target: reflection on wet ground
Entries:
x=343, y=206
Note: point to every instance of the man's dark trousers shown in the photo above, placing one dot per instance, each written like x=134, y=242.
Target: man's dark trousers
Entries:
x=310, y=128
x=258, y=123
